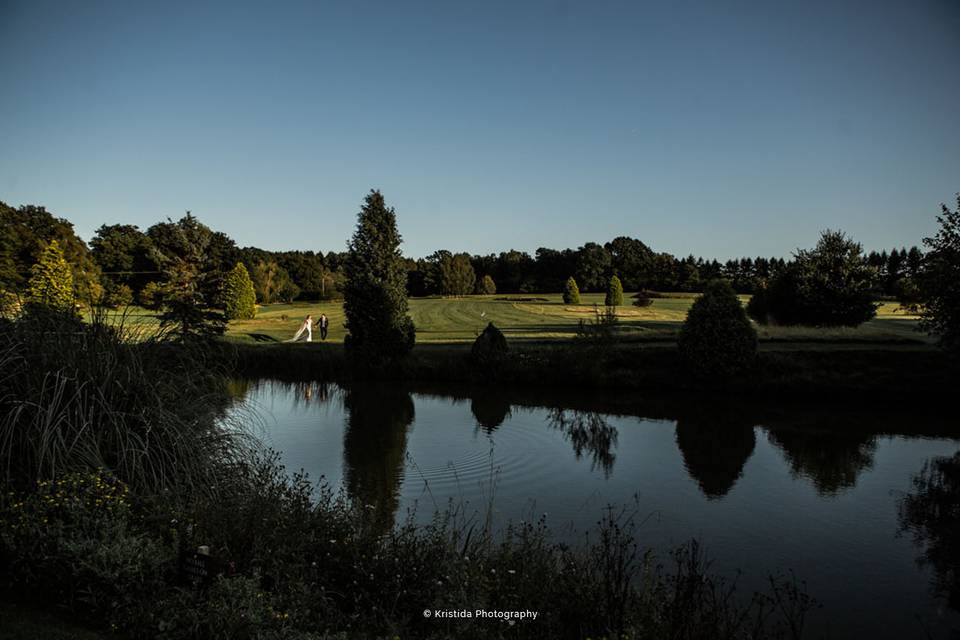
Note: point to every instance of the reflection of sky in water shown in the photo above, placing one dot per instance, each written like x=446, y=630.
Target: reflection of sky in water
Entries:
x=823, y=505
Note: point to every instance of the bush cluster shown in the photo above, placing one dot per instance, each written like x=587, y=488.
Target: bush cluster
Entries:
x=831, y=285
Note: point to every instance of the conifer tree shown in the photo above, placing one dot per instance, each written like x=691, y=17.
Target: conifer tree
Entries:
x=239, y=298
x=614, y=293
x=51, y=282
x=375, y=295
x=571, y=293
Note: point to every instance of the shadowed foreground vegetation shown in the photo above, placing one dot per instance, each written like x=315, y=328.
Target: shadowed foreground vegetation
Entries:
x=117, y=472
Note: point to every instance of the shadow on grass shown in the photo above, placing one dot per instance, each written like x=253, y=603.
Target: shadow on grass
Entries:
x=262, y=337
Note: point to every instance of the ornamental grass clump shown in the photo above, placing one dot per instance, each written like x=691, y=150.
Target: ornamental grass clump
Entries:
x=85, y=395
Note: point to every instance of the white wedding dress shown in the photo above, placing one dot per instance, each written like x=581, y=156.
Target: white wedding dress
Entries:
x=306, y=327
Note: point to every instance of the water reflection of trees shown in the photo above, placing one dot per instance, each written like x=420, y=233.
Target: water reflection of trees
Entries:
x=588, y=432
x=374, y=449
x=715, y=446
x=310, y=393
x=932, y=514
x=831, y=460
x=491, y=409
x=301, y=393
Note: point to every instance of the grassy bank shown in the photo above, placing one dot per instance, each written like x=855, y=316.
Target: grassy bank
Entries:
x=545, y=318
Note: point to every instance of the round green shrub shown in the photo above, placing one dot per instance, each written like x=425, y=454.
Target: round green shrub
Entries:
x=717, y=338
x=490, y=346
x=642, y=299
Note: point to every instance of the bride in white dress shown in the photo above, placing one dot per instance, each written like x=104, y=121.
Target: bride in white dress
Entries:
x=305, y=327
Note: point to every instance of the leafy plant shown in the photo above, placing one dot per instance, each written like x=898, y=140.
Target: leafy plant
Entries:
x=74, y=537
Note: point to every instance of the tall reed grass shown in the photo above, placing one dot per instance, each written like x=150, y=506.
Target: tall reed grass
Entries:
x=79, y=395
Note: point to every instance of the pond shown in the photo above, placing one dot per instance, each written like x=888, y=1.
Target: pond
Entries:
x=857, y=504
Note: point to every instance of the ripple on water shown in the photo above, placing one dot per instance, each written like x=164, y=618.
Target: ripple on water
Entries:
x=476, y=462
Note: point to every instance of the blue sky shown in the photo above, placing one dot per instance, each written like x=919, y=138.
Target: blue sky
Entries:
x=719, y=128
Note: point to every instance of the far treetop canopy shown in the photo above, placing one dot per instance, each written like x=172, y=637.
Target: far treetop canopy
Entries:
x=122, y=254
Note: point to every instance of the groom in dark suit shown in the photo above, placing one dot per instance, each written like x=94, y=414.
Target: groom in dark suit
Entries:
x=324, y=323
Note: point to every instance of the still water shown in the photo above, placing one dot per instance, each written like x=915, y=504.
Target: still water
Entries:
x=862, y=506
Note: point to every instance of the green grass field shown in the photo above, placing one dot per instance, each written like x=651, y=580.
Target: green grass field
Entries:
x=546, y=318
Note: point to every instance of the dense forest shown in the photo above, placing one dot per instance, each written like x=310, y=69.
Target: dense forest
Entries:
x=123, y=264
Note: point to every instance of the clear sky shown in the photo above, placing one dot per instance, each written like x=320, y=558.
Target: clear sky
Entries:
x=719, y=128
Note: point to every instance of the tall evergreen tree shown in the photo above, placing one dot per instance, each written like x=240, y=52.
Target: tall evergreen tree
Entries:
x=239, y=298
x=571, y=293
x=51, y=282
x=187, y=252
x=614, y=292
x=375, y=296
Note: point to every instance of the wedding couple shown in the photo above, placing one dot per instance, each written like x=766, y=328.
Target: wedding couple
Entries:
x=307, y=327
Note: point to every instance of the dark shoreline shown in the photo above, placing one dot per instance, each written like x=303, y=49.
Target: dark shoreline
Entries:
x=902, y=379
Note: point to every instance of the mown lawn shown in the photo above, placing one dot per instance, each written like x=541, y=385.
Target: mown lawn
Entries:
x=546, y=317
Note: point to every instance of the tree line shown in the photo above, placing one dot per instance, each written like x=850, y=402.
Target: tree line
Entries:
x=185, y=269
x=123, y=264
